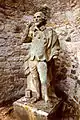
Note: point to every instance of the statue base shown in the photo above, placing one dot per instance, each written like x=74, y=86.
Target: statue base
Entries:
x=25, y=110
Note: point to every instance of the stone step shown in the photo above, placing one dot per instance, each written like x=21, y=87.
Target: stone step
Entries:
x=40, y=110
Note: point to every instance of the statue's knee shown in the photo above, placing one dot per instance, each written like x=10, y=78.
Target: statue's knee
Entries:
x=43, y=82
x=35, y=76
x=42, y=66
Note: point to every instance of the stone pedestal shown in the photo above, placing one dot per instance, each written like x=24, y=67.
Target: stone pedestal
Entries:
x=40, y=110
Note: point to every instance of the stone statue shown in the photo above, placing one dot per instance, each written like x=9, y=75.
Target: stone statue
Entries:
x=44, y=49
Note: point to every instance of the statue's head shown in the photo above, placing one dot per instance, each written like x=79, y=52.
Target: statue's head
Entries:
x=39, y=18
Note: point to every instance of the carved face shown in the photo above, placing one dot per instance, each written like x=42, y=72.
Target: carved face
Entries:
x=38, y=18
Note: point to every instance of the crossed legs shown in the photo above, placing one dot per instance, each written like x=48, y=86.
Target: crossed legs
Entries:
x=39, y=77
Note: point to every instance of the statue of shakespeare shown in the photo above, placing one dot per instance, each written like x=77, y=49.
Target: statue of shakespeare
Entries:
x=44, y=49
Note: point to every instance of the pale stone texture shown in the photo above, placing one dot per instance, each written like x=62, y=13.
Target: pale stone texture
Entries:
x=40, y=110
x=65, y=19
x=37, y=111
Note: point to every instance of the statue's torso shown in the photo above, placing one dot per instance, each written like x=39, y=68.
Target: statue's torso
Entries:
x=44, y=45
x=38, y=45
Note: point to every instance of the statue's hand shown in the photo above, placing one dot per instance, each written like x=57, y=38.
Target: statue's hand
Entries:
x=25, y=34
x=55, y=57
x=23, y=37
x=56, y=54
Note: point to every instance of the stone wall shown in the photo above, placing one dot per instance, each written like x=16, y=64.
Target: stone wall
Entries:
x=11, y=59
x=65, y=19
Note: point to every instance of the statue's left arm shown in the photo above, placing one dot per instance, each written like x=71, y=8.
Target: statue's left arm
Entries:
x=53, y=44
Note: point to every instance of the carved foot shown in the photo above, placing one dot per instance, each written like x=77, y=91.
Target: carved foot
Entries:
x=48, y=101
x=46, y=98
x=36, y=99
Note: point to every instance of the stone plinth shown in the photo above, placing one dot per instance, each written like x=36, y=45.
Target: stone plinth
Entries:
x=40, y=110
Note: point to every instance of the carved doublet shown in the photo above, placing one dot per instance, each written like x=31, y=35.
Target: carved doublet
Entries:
x=45, y=44
x=38, y=45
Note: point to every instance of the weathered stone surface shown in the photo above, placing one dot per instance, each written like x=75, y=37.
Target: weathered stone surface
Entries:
x=59, y=110
x=24, y=110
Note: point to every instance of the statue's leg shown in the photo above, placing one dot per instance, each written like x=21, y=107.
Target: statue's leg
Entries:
x=35, y=78
x=42, y=69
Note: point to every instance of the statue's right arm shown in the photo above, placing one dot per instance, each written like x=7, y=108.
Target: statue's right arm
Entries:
x=25, y=38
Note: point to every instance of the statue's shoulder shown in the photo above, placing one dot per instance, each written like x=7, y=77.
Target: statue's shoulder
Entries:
x=51, y=30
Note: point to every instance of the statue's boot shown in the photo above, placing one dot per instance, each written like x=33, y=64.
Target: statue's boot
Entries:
x=36, y=99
